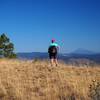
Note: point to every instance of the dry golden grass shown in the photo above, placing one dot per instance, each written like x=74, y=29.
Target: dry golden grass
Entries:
x=36, y=80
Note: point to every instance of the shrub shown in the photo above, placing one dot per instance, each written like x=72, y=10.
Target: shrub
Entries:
x=94, y=90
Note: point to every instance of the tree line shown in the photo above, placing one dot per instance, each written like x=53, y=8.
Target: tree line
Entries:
x=6, y=47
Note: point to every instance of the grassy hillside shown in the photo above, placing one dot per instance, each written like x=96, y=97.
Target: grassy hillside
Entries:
x=36, y=80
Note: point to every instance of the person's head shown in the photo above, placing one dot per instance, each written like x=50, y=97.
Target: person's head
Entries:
x=53, y=40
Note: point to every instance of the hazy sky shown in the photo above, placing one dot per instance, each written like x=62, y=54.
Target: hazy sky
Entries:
x=31, y=24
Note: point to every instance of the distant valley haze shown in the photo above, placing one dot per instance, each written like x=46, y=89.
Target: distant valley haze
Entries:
x=81, y=54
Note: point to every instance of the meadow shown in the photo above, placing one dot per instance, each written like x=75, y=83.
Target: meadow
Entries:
x=37, y=80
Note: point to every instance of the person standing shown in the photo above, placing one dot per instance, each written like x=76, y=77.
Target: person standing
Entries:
x=53, y=52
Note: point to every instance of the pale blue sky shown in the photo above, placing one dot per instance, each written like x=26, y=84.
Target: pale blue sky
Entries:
x=31, y=24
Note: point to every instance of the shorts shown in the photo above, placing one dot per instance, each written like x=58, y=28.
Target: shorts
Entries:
x=53, y=55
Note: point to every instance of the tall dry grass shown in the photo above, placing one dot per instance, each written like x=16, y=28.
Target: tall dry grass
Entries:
x=37, y=80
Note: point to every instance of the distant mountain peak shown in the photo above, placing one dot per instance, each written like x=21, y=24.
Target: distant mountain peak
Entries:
x=83, y=51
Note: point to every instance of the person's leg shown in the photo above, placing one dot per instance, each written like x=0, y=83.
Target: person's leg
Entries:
x=55, y=60
x=52, y=61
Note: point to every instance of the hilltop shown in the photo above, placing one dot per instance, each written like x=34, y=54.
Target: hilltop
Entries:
x=37, y=80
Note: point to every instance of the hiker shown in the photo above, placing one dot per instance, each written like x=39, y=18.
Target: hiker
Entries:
x=53, y=51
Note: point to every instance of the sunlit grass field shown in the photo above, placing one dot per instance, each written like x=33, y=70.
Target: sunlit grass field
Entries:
x=37, y=80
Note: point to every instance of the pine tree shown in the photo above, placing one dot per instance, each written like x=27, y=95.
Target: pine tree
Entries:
x=6, y=47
